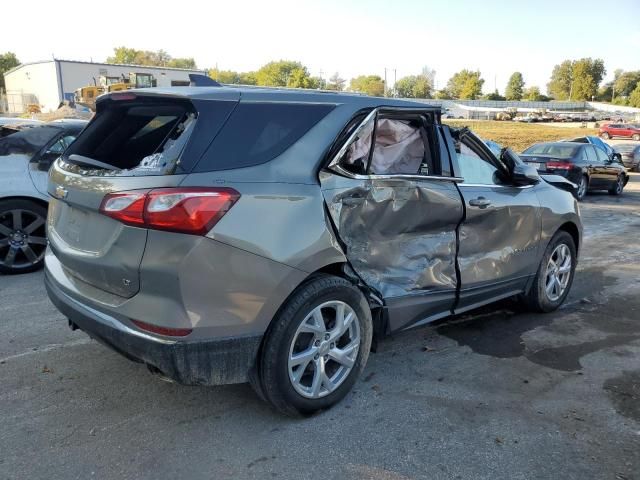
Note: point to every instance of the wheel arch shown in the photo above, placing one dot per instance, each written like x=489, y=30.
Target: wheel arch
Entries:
x=572, y=229
x=39, y=201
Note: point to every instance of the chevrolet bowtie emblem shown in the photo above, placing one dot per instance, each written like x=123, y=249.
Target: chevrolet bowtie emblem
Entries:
x=61, y=192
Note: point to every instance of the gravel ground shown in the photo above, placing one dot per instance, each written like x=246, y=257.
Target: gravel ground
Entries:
x=499, y=394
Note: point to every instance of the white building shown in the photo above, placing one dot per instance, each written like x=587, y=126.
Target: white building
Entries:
x=50, y=82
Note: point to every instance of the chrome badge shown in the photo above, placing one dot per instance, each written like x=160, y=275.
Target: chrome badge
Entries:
x=61, y=192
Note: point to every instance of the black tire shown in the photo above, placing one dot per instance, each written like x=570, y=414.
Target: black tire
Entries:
x=636, y=137
x=605, y=135
x=581, y=191
x=22, y=246
x=617, y=187
x=275, y=384
x=537, y=299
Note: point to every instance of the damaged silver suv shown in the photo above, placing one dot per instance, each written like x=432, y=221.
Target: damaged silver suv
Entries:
x=222, y=234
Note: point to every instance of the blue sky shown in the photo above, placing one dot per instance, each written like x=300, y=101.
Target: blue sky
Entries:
x=350, y=37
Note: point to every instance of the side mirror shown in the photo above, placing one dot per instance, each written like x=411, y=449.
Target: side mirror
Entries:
x=523, y=174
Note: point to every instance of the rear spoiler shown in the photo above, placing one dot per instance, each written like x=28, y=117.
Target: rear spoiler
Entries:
x=560, y=182
x=199, y=80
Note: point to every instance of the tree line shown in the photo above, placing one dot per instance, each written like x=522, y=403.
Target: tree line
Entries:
x=573, y=80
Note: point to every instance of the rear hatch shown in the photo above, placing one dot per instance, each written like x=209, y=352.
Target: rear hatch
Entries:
x=136, y=141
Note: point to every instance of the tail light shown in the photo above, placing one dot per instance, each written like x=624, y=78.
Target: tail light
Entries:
x=560, y=165
x=192, y=210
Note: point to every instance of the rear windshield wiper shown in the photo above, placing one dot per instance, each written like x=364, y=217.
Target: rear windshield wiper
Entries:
x=82, y=160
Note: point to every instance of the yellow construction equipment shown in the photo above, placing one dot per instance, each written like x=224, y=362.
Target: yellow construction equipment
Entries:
x=86, y=96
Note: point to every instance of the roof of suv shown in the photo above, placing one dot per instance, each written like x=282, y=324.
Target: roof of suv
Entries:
x=267, y=94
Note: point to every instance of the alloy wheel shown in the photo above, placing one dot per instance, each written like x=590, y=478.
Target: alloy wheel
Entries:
x=324, y=349
x=582, y=188
x=558, y=272
x=619, y=185
x=22, y=238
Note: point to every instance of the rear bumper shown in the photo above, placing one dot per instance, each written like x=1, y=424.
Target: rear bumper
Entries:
x=203, y=362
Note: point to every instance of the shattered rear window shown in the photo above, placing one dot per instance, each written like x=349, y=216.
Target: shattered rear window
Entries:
x=135, y=138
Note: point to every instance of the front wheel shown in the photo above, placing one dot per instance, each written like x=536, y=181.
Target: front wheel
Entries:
x=605, y=135
x=553, y=280
x=316, y=348
x=636, y=137
x=617, y=187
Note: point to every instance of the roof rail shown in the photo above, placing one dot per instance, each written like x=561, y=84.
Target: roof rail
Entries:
x=197, y=80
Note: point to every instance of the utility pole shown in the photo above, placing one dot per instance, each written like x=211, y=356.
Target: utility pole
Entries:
x=385, y=81
x=613, y=92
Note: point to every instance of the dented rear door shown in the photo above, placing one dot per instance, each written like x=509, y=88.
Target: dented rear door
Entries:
x=399, y=235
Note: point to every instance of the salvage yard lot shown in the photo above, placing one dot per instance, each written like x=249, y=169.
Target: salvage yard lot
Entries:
x=498, y=394
x=519, y=136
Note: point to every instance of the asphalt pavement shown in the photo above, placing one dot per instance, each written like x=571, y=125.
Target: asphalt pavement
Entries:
x=499, y=394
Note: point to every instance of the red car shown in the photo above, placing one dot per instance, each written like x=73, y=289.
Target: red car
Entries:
x=620, y=130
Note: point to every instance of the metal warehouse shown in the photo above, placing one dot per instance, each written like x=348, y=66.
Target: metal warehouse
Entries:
x=48, y=83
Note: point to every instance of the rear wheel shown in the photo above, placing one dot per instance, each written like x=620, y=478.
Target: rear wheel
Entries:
x=636, y=137
x=553, y=280
x=317, y=347
x=22, y=236
x=581, y=191
x=616, y=188
x=605, y=135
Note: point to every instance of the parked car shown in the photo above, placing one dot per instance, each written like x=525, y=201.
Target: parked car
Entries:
x=598, y=143
x=630, y=156
x=9, y=126
x=227, y=234
x=26, y=154
x=583, y=164
x=626, y=130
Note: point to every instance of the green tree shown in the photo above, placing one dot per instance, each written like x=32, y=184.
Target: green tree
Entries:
x=625, y=82
x=336, y=83
x=561, y=78
x=123, y=55
x=443, y=94
x=159, y=58
x=248, y=78
x=414, y=86
x=532, y=94
x=634, y=98
x=495, y=95
x=281, y=73
x=188, y=63
x=8, y=61
x=369, y=84
x=515, y=85
x=224, y=76
x=465, y=85
x=584, y=85
x=576, y=80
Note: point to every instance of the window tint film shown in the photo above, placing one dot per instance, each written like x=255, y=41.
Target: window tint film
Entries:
x=259, y=132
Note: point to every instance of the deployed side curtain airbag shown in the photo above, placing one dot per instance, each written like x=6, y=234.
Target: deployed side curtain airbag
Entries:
x=399, y=148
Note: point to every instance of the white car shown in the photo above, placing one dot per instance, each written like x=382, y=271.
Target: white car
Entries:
x=26, y=153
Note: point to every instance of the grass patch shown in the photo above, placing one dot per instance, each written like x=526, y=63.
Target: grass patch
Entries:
x=519, y=136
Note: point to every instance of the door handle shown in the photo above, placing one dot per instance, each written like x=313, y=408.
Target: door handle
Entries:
x=480, y=202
